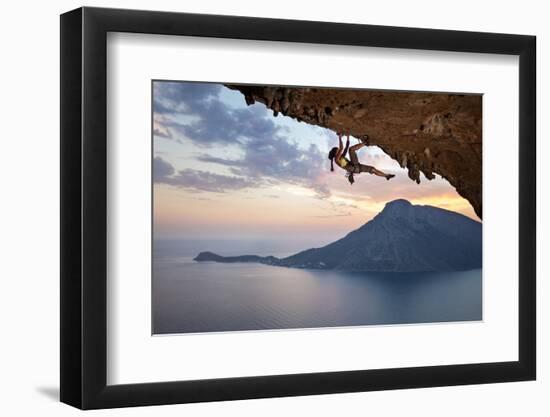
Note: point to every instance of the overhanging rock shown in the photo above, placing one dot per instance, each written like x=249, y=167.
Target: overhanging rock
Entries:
x=424, y=132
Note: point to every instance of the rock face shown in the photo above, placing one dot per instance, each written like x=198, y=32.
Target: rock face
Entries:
x=424, y=132
x=401, y=238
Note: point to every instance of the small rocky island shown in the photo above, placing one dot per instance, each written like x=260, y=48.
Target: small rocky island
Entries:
x=212, y=257
x=401, y=238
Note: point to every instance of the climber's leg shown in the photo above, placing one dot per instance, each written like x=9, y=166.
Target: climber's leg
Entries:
x=364, y=139
x=375, y=171
x=353, y=153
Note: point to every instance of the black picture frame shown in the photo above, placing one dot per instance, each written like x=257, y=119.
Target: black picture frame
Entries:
x=84, y=207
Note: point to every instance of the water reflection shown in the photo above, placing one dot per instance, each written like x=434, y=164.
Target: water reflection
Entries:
x=208, y=297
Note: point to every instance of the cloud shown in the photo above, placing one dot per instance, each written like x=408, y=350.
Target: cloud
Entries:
x=194, y=111
x=278, y=160
x=209, y=120
x=164, y=173
x=163, y=133
x=322, y=189
x=174, y=97
x=161, y=169
x=158, y=126
x=220, y=161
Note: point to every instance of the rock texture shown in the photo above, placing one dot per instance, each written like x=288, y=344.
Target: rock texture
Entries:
x=425, y=132
x=401, y=238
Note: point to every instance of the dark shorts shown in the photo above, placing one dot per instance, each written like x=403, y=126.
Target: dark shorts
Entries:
x=358, y=168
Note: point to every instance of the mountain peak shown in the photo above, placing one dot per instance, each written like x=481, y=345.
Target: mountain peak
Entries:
x=400, y=202
x=397, y=206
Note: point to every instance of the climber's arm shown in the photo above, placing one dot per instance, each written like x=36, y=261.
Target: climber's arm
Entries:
x=346, y=148
x=340, y=147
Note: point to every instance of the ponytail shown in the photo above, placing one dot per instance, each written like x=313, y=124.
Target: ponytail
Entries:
x=332, y=164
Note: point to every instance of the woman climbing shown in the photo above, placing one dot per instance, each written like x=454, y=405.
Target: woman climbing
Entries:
x=352, y=165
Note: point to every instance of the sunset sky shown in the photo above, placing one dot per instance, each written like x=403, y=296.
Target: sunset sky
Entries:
x=225, y=170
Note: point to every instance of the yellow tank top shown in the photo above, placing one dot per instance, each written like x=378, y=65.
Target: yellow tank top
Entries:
x=343, y=162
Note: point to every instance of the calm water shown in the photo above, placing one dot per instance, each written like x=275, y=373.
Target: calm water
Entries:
x=207, y=297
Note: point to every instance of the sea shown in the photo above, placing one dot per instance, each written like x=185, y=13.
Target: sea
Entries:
x=193, y=297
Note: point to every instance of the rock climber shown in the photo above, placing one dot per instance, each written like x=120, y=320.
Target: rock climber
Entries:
x=352, y=165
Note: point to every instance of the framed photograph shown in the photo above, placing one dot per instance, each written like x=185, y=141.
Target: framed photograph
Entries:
x=257, y=208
